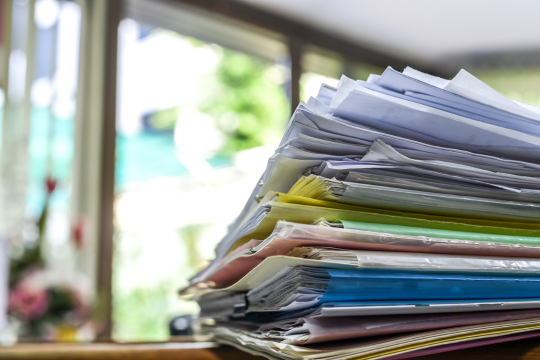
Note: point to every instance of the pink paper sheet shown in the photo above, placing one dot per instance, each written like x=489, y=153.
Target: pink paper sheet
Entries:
x=291, y=235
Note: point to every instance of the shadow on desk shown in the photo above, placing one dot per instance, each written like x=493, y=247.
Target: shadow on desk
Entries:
x=178, y=349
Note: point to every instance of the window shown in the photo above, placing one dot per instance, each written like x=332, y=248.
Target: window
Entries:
x=323, y=66
x=194, y=120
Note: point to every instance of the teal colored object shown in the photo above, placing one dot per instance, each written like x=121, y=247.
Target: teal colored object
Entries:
x=368, y=284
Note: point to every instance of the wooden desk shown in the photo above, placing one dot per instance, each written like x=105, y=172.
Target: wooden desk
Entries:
x=523, y=350
x=112, y=351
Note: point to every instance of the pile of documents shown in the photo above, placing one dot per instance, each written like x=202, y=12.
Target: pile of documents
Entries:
x=398, y=217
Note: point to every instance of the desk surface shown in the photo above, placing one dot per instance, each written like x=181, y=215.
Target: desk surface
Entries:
x=524, y=349
x=109, y=351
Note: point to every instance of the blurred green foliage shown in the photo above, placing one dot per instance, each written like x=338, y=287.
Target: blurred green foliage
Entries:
x=139, y=314
x=164, y=119
x=143, y=312
x=249, y=109
x=517, y=84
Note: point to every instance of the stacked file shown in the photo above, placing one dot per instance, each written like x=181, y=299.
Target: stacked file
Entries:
x=398, y=217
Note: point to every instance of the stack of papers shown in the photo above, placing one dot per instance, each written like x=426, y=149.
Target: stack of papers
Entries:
x=398, y=217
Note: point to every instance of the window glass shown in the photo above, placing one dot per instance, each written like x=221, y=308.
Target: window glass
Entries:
x=194, y=122
x=323, y=66
x=518, y=84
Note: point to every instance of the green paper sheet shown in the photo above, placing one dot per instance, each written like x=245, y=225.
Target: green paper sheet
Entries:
x=438, y=233
x=306, y=211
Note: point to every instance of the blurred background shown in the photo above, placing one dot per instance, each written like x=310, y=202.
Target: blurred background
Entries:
x=133, y=131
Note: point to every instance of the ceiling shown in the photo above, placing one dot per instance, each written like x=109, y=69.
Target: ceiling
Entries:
x=427, y=31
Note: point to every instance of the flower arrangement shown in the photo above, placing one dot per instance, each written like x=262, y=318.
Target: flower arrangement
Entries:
x=47, y=304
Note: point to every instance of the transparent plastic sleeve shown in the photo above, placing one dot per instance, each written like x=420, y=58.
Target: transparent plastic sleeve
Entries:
x=331, y=329
x=288, y=235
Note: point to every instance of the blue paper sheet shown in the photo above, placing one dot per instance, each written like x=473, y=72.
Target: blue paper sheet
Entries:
x=402, y=86
x=367, y=284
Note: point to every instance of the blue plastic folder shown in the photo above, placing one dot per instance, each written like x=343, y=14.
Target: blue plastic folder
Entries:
x=424, y=302
x=367, y=284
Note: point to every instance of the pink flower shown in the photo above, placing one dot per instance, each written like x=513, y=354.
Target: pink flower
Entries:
x=78, y=234
x=51, y=184
x=27, y=303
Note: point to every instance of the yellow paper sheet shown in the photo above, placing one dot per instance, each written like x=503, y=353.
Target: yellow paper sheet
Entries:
x=447, y=340
x=306, y=211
